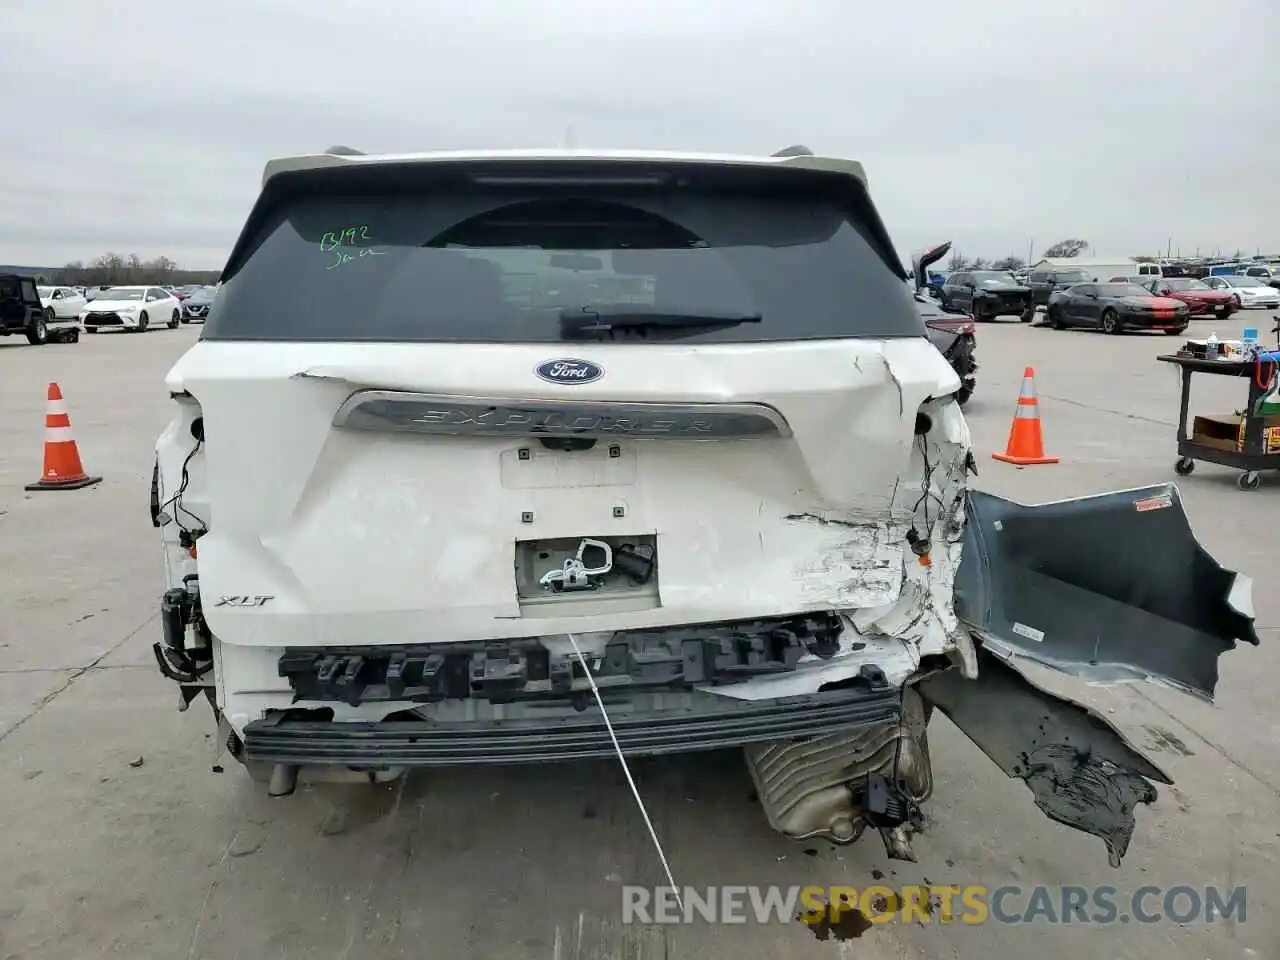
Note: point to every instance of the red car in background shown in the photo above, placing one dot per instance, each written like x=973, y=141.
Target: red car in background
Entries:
x=1199, y=297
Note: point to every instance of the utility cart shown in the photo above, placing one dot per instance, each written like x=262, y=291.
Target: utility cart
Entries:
x=1249, y=442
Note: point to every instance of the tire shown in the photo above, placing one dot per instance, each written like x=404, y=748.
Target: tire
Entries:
x=963, y=395
x=1111, y=322
x=38, y=335
x=75, y=336
x=1222, y=313
x=173, y=321
x=143, y=320
x=1184, y=467
x=1055, y=318
x=1028, y=314
x=1249, y=480
x=49, y=314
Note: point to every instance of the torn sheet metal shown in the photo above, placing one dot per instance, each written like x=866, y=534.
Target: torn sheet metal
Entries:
x=1107, y=588
x=1078, y=766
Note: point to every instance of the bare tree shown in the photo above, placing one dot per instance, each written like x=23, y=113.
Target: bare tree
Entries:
x=979, y=263
x=1008, y=263
x=1066, y=248
x=113, y=268
x=957, y=261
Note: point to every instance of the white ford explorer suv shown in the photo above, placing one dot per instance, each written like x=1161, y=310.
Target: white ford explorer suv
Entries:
x=474, y=443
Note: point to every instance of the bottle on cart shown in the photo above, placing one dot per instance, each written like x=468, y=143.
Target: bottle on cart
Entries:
x=1211, y=347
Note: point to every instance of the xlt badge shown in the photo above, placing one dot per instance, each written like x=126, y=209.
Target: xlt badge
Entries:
x=242, y=601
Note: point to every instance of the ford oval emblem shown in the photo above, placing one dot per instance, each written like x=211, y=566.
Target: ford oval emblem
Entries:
x=568, y=371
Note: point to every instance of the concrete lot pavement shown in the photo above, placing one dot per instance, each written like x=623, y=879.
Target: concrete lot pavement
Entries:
x=119, y=839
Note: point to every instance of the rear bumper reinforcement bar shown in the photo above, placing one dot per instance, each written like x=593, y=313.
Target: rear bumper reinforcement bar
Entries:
x=715, y=724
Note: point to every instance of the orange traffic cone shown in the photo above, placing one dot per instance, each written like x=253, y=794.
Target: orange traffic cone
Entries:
x=1026, y=444
x=62, y=467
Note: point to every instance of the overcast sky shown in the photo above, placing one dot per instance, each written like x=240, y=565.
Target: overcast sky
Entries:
x=993, y=123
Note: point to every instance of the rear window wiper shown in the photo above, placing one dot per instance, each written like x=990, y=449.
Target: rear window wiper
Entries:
x=579, y=321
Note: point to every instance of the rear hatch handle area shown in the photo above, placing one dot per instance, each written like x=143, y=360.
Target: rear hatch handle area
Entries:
x=1106, y=588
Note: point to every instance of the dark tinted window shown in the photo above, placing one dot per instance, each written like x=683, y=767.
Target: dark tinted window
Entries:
x=417, y=262
x=1122, y=290
x=1071, y=276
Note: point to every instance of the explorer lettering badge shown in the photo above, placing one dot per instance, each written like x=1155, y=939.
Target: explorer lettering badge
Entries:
x=242, y=601
x=568, y=371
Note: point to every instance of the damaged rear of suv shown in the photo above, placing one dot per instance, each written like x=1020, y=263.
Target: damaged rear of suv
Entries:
x=473, y=443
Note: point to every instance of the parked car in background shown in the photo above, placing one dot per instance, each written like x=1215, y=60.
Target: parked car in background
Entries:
x=22, y=311
x=1116, y=307
x=196, y=306
x=1044, y=281
x=1246, y=291
x=131, y=308
x=987, y=294
x=955, y=335
x=1267, y=273
x=61, y=303
x=1197, y=294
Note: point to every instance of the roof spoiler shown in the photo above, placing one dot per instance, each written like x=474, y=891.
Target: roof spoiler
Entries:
x=341, y=151
x=796, y=150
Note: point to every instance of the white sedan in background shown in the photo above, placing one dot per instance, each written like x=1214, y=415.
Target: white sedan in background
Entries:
x=131, y=308
x=61, y=303
x=1247, y=291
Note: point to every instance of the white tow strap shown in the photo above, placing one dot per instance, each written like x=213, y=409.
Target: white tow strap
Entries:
x=653, y=834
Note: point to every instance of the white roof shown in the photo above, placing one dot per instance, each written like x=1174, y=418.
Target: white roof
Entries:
x=851, y=168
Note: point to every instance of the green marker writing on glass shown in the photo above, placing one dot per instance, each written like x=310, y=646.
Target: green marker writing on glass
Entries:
x=346, y=245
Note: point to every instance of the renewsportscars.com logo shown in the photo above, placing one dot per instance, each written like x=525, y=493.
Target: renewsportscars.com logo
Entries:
x=971, y=904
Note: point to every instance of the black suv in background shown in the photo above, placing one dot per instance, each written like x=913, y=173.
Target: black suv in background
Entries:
x=987, y=294
x=22, y=312
x=1044, y=282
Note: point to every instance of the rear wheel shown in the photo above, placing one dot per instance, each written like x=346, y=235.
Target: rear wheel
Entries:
x=1110, y=321
x=143, y=320
x=49, y=314
x=173, y=321
x=1055, y=318
x=1222, y=312
x=1029, y=314
x=39, y=332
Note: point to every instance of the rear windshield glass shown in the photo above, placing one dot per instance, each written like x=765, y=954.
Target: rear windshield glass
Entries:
x=508, y=264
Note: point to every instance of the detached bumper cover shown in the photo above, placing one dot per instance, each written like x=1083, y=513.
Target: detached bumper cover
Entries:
x=713, y=724
x=1107, y=588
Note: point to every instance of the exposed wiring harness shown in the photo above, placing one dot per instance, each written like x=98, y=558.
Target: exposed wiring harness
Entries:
x=175, y=501
x=920, y=544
